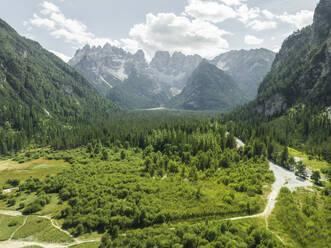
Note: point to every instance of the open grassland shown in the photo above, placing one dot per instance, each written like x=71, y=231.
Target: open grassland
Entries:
x=39, y=168
x=40, y=229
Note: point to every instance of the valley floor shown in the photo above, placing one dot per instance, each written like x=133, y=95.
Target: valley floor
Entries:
x=284, y=178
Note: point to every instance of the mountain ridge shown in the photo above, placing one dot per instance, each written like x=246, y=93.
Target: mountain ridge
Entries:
x=209, y=88
x=113, y=72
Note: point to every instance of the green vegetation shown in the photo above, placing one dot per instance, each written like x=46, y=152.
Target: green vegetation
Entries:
x=8, y=225
x=40, y=229
x=247, y=233
x=136, y=93
x=203, y=175
x=40, y=94
x=302, y=218
x=169, y=179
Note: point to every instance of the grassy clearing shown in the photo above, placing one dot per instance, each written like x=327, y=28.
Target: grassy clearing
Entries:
x=39, y=229
x=39, y=168
x=311, y=163
x=8, y=225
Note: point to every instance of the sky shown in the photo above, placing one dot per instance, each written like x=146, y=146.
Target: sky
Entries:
x=204, y=27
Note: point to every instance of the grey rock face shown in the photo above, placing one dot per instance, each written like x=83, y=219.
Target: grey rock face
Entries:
x=272, y=106
x=247, y=67
x=173, y=71
x=107, y=67
x=322, y=20
x=329, y=112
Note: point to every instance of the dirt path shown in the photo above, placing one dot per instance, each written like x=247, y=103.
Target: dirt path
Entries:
x=19, y=228
x=283, y=178
x=21, y=244
x=10, y=213
x=10, y=243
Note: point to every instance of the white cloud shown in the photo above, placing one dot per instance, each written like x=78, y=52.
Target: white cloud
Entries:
x=217, y=12
x=246, y=14
x=168, y=32
x=49, y=8
x=209, y=11
x=299, y=20
x=268, y=14
x=252, y=40
x=62, y=56
x=41, y=22
x=233, y=2
x=258, y=25
x=60, y=27
x=276, y=49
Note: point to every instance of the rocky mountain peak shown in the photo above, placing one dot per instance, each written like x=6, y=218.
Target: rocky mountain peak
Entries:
x=322, y=20
x=247, y=67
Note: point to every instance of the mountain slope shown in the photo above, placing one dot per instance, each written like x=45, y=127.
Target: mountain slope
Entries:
x=246, y=67
x=32, y=77
x=301, y=72
x=137, y=92
x=208, y=88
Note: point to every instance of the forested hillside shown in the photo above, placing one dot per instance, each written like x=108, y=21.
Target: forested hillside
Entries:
x=293, y=103
x=39, y=92
x=301, y=71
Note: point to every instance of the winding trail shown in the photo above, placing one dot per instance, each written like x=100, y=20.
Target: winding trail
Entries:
x=13, y=234
x=283, y=177
x=10, y=243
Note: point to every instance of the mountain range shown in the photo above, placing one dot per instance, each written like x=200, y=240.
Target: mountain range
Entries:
x=131, y=82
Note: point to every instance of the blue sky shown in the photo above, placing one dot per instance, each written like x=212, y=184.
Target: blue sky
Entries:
x=205, y=27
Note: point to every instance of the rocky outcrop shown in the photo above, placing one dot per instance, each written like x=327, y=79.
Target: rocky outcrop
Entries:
x=272, y=106
x=322, y=20
x=247, y=67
